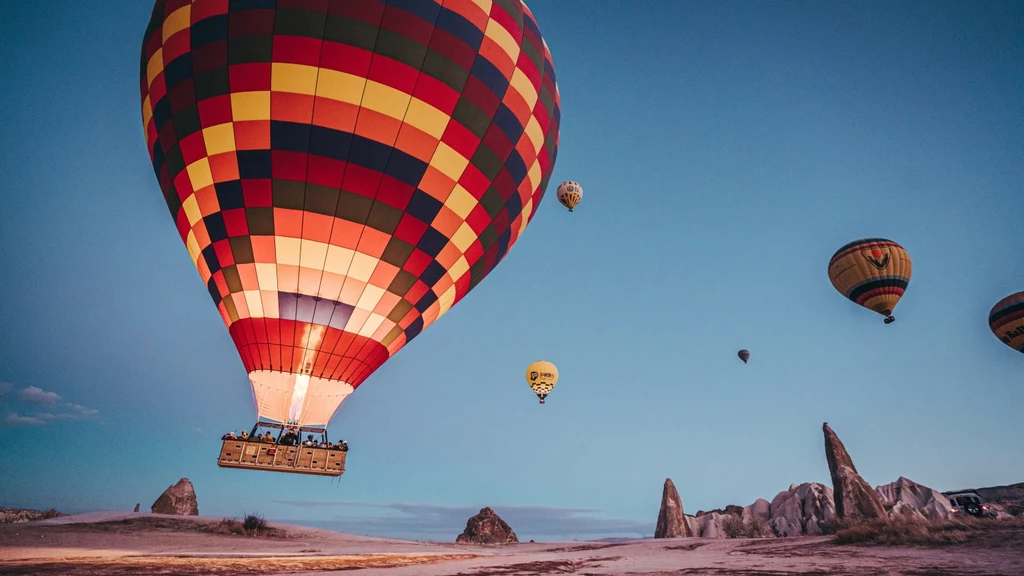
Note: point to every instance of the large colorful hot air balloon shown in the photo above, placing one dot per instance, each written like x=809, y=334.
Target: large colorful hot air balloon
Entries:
x=873, y=272
x=1006, y=320
x=569, y=194
x=542, y=377
x=343, y=172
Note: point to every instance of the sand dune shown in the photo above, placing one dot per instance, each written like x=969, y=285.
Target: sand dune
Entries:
x=127, y=543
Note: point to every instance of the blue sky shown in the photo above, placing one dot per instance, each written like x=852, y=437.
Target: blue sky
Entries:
x=726, y=150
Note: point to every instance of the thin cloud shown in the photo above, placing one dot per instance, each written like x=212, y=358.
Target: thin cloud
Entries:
x=436, y=522
x=34, y=395
x=33, y=406
x=13, y=419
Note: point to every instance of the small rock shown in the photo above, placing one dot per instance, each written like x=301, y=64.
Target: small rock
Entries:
x=487, y=528
x=179, y=499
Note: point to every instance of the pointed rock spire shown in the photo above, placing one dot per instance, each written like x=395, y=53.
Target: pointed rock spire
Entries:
x=671, y=523
x=855, y=500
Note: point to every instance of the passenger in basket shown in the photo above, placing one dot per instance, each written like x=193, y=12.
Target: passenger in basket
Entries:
x=343, y=446
x=309, y=441
x=268, y=437
x=290, y=439
x=244, y=436
x=229, y=436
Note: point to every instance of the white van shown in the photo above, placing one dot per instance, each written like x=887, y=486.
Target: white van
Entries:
x=967, y=503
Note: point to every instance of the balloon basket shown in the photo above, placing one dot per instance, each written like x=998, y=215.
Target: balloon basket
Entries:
x=267, y=457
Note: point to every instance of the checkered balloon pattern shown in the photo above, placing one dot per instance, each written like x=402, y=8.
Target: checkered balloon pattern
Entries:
x=342, y=172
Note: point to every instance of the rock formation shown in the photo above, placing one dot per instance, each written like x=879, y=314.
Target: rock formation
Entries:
x=487, y=528
x=137, y=504
x=730, y=509
x=761, y=508
x=670, y=518
x=179, y=499
x=18, y=515
x=854, y=499
x=808, y=509
x=711, y=525
x=908, y=498
x=692, y=525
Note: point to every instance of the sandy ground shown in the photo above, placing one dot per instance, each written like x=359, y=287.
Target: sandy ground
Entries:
x=128, y=544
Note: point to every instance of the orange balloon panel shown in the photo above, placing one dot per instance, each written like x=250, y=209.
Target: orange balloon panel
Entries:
x=343, y=172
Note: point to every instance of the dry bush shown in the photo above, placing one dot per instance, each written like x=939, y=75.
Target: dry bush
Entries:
x=255, y=525
x=229, y=526
x=251, y=525
x=909, y=531
x=733, y=526
x=758, y=528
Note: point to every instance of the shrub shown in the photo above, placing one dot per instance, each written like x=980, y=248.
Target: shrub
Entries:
x=758, y=528
x=733, y=526
x=255, y=525
x=229, y=526
x=908, y=531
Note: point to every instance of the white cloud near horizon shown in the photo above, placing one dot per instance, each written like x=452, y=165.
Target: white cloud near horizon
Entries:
x=438, y=522
x=39, y=407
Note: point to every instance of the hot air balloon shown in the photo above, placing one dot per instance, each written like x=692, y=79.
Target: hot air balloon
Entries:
x=569, y=194
x=342, y=173
x=744, y=355
x=873, y=272
x=1006, y=320
x=542, y=377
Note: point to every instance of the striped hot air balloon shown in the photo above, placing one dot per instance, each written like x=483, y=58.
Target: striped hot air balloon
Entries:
x=343, y=172
x=873, y=272
x=1006, y=320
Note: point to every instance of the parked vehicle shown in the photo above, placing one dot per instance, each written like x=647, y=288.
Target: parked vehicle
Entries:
x=968, y=503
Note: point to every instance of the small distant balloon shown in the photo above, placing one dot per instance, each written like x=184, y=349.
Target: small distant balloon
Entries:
x=1006, y=320
x=873, y=272
x=744, y=355
x=569, y=194
x=542, y=377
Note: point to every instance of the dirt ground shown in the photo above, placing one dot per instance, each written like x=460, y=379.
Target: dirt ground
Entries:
x=131, y=544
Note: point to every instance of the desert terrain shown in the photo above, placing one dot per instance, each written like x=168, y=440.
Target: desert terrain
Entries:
x=132, y=543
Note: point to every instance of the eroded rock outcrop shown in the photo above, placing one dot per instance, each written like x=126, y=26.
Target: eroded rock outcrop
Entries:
x=671, y=522
x=807, y=509
x=18, y=515
x=692, y=525
x=855, y=501
x=711, y=525
x=730, y=509
x=179, y=499
x=487, y=528
x=908, y=498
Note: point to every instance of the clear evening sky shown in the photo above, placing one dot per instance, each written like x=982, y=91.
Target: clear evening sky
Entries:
x=726, y=150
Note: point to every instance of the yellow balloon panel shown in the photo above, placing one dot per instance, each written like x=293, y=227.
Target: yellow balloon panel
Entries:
x=542, y=376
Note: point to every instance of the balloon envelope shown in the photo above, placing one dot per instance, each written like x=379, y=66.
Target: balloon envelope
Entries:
x=744, y=355
x=542, y=377
x=873, y=272
x=1006, y=320
x=569, y=194
x=343, y=172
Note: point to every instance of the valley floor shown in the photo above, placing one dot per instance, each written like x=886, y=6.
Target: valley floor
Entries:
x=128, y=544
